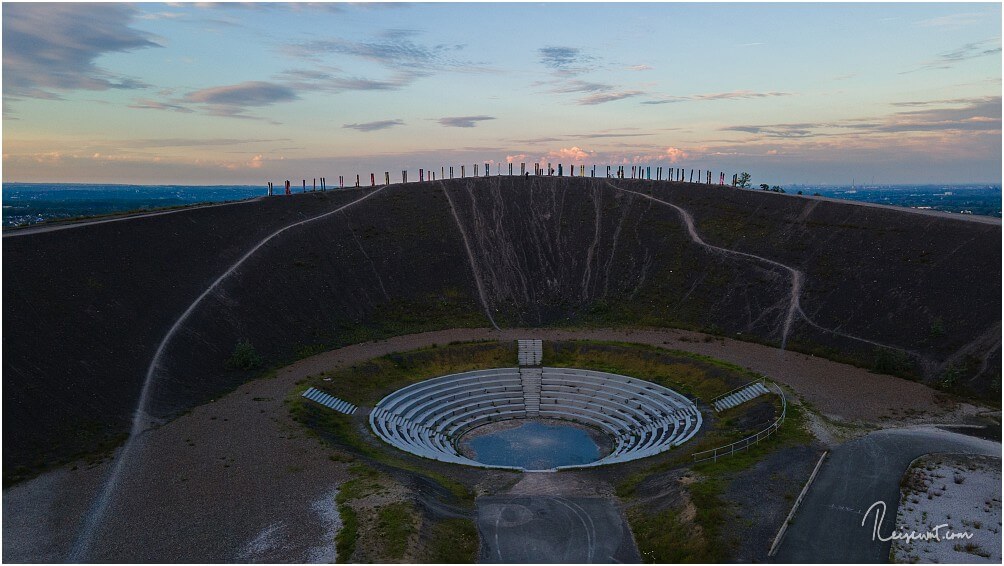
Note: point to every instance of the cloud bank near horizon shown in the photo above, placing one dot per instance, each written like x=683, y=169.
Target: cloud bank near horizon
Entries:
x=89, y=89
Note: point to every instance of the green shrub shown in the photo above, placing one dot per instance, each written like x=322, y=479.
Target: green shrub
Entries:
x=891, y=362
x=950, y=377
x=245, y=357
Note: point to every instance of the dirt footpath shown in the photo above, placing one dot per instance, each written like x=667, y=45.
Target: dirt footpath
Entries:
x=236, y=479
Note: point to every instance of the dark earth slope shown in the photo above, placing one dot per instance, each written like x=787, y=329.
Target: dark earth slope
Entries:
x=393, y=264
x=921, y=284
x=577, y=252
x=85, y=308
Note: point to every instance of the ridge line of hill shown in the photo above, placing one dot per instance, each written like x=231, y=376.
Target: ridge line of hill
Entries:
x=64, y=225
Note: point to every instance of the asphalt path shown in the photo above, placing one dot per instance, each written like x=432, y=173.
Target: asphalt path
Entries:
x=828, y=525
x=553, y=530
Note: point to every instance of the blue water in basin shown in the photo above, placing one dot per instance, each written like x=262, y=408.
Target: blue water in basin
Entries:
x=534, y=446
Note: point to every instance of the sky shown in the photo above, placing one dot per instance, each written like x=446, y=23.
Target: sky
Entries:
x=249, y=93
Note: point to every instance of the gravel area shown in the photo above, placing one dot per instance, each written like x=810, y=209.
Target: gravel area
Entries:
x=236, y=478
x=949, y=495
x=762, y=496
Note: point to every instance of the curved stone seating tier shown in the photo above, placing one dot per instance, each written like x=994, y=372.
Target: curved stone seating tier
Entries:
x=428, y=418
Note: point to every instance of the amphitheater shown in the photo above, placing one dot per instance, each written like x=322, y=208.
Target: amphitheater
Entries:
x=429, y=418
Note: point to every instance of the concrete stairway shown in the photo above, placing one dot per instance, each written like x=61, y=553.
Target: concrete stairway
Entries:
x=329, y=401
x=740, y=396
x=530, y=378
x=531, y=352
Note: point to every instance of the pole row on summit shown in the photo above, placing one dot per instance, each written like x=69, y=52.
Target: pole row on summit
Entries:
x=671, y=174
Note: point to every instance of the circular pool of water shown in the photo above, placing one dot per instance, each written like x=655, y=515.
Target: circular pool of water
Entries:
x=534, y=444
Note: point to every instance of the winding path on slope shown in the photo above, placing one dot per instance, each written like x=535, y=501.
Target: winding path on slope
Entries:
x=828, y=525
x=797, y=277
x=140, y=419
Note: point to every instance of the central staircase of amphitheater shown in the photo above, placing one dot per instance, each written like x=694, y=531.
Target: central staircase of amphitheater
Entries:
x=530, y=379
x=531, y=354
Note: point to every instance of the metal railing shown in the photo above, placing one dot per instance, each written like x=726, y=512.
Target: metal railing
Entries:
x=744, y=444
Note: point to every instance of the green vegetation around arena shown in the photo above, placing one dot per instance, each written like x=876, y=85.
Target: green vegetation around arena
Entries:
x=657, y=532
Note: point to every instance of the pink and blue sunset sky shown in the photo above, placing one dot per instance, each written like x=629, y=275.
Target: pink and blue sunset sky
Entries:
x=248, y=93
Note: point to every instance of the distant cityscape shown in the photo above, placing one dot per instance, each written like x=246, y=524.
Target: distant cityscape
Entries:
x=982, y=199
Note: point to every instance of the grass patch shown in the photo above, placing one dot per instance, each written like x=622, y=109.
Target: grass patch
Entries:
x=664, y=538
x=395, y=525
x=366, y=382
x=365, y=481
x=791, y=433
x=688, y=373
x=345, y=540
x=453, y=541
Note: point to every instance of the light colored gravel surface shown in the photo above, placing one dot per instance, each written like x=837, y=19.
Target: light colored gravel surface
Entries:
x=236, y=478
x=951, y=494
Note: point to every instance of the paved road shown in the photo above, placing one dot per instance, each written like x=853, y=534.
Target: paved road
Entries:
x=553, y=530
x=827, y=527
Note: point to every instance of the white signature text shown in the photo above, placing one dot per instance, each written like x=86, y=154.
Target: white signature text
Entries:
x=938, y=532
